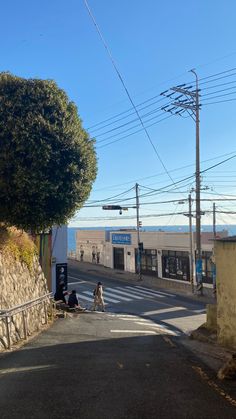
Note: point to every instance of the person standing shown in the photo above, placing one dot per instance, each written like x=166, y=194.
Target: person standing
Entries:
x=98, y=297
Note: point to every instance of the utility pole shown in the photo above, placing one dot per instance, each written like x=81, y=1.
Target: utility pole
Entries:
x=191, y=242
x=214, y=219
x=188, y=101
x=198, y=196
x=138, y=232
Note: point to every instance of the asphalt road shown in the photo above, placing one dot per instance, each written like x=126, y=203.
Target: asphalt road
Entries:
x=125, y=363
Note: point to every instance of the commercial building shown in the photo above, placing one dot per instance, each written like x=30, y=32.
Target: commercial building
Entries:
x=165, y=254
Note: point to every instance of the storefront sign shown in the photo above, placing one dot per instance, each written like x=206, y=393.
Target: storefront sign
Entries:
x=121, y=238
x=61, y=274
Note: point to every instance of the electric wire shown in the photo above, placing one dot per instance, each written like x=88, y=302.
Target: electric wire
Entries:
x=126, y=89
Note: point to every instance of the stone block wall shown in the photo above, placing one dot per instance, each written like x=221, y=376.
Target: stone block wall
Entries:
x=18, y=285
x=225, y=254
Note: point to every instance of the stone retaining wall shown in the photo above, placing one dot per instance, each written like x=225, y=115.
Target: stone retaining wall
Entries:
x=18, y=285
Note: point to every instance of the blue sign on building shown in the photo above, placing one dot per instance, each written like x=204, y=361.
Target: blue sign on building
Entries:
x=117, y=238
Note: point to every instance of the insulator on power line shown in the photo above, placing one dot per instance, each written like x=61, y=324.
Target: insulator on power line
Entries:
x=181, y=85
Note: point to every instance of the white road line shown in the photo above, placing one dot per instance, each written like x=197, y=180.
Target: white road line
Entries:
x=119, y=290
x=145, y=293
x=110, y=300
x=129, y=319
x=111, y=294
x=76, y=283
x=163, y=310
x=83, y=297
x=159, y=327
x=75, y=277
x=137, y=332
x=142, y=323
x=159, y=292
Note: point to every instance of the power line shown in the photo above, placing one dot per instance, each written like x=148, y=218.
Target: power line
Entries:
x=126, y=89
x=154, y=97
x=172, y=170
x=135, y=132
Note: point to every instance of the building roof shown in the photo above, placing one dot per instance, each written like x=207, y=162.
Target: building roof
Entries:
x=227, y=239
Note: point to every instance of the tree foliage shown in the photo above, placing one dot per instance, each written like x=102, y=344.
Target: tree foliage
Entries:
x=47, y=160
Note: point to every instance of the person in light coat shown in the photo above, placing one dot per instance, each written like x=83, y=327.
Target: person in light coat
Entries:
x=98, y=297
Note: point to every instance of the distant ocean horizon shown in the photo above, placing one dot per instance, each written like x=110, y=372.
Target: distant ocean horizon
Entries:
x=179, y=228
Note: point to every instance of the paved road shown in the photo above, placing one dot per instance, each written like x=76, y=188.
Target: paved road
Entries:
x=124, y=363
x=172, y=311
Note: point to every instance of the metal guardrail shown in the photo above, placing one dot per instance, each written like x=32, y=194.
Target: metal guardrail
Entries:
x=7, y=314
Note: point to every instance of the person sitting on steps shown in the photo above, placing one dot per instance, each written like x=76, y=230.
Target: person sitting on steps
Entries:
x=73, y=301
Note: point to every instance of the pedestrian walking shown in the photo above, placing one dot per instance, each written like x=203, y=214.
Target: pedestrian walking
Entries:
x=98, y=297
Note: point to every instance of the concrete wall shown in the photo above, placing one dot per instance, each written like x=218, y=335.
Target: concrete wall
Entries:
x=89, y=242
x=225, y=255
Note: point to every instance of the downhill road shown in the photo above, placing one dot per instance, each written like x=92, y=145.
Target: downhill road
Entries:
x=125, y=363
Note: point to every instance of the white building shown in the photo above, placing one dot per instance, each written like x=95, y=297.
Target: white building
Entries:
x=165, y=254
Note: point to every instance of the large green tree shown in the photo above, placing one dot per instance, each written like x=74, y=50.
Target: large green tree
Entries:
x=47, y=160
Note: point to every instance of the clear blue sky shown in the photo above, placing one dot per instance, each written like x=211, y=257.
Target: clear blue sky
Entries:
x=154, y=44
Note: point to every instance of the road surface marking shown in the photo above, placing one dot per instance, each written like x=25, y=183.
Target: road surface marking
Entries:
x=23, y=369
x=111, y=294
x=83, y=297
x=110, y=300
x=76, y=283
x=145, y=293
x=159, y=292
x=148, y=323
x=161, y=328
x=163, y=310
x=142, y=332
x=128, y=293
x=75, y=277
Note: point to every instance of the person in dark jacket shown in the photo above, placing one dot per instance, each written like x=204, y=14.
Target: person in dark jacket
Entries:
x=73, y=300
x=60, y=293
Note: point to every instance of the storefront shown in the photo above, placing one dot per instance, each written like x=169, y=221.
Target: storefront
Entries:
x=118, y=257
x=175, y=265
x=207, y=274
x=148, y=261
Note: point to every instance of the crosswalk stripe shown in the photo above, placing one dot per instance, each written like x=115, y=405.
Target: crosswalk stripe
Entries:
x=158, y=292
x=146, y=293
x=120, y=290
x=83, y=297
x=111, y=300
x=111, y=294
x=75, y=277
x=76, y=283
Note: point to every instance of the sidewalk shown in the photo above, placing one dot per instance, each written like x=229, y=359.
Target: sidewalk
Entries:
x=155, y=282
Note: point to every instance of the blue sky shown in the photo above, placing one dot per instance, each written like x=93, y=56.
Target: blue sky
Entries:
x=154, y=44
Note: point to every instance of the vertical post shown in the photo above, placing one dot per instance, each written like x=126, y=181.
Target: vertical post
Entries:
x=214, y=220
x=45, y=312
x=8, y=332
x=138, y=233
x=191, y=241
x=24, y=324
x=198, y=197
